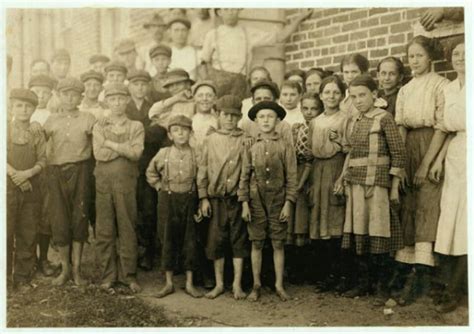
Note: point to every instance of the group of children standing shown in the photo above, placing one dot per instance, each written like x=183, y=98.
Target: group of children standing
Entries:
x=342, y=177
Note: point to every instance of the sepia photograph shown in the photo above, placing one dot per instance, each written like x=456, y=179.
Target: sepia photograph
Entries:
x=288, y=167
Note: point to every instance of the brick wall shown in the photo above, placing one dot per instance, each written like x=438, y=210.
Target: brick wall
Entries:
x=329, y=34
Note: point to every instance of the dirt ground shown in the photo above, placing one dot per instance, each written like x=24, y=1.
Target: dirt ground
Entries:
x=70, y=306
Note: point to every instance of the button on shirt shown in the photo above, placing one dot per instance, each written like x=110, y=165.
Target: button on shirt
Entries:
x=269, y=165
x=173, y=169
x=220, y=164
x=69, y=135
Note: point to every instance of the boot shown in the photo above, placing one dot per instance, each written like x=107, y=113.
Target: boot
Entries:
x=408, y=293
x=363, y=286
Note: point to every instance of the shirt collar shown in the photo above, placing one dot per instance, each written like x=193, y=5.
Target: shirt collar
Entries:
x=74, y=113
x=371, y=114
x=274, y=136
x=234, y=133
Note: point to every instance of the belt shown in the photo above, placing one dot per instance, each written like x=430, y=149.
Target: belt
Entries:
x=363, y=162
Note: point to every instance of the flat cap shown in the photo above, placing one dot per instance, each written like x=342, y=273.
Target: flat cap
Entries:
x=156, y=20
x=177, y=75
x=180, y=120
x=61, y=54
x=98, y=58
x=91, y=74
x=125, y=46
x=160, y=49
x=267, y=84
x=70, y=83
x=179, y=17
x=116, y=89
x=230, y=104
x=116, y=65
x=208, y=83
x=24, y=94
x=281, y=113
x=138, y=75
x=42, y=80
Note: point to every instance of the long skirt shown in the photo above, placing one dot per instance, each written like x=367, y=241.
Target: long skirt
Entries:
x=298, y=225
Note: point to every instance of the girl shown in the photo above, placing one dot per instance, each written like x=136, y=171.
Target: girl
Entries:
x=374, y=167
x=314, y=76
x=451, y=240
x=390, y=76
x=419, y=112
x=327, y=210
x=290, y=97
x=351, y=66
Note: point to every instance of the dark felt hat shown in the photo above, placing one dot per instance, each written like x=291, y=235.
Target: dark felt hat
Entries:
x=230, y=104
x=70, y=83
x=42, y=80
x=138, y=75
x=281, y=113
x=116, y=65
x=177, y=75
x=180, y=120
x=156, y=20
x=273, y=87
x=24, y=94
x=116, y=89
x=160, y=49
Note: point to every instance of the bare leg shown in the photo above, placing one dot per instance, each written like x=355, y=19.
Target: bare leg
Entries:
x=256, y=257
x=236, y=285
x=77, y=248
x=169, y=287
x=279, y=262
x=219, y=274
x=190, y=289
x=65, y=266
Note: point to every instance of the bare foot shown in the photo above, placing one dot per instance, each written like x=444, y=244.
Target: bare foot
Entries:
x=191, y=290
x=282, y=294
x=214, y=293
x=238, y=292
x=135, y=287
x=62, y=278
x=77, y=278
x=167, y=290
x=107, y=286
x=255, y=294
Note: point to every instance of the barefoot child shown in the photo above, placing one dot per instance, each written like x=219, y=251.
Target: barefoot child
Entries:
x=267, y=190
x=26, y=158
x=172, y=172
x=118, y=145
x=218, y=181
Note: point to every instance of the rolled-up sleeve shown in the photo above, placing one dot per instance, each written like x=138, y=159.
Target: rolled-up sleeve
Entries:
x=439, y=106
x=202, y=177
x=395, y=145
x=40, y=148
x=153, y=172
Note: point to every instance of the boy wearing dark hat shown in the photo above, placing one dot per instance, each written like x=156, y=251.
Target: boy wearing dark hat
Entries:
x=118, y=146
x=68, y=176
x=218, y=181
x=115, y=72
x=93, y=81
x=26, y=158
x=155, y=28
x=267, y=189
x=181, y=102
x=97, y=62
x=172, y=172
x=127, y=53
x=42, y=85
x=160, y=56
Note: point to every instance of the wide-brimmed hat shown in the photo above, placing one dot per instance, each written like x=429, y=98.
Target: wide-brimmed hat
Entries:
x=230, y=104
x=281, y=113
x=42, y=80
x=25, y=95
x=156, y=20
x=177, y=75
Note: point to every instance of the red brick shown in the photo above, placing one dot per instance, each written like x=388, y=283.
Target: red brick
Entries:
x=332, y=50
x=306, y=45
x=308, y=53
x=331, y=11
x=291, y=47
x=323, y=23
x=371, y=43
x=340, y=18
x=400, y=27
x=358, y=14
x=337, y=59
x=378, y=53
x=358, y=35
x=323, y=41
x=341, y=48
x=409, y=36
x=324, y=52
x=332, y=30
x=298, y=37
x=397, y=50
x=292, y=66
x=373, y=21
x=351, y=47
x=361, y=45
x=306, y=26
x=287, y=58
x=381, y=41
x=341, y=38
x=324, y=61
x=307, y=63
x=315, y=34
x=378, y=31
x=316, y=52
x=350, y=26
x=390, y=18
x=375, y=11
x=414, y=13
x=298, y=55
x=396, y=39
x=317, y=14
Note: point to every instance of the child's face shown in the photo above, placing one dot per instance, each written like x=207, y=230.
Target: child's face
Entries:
x=310, y=109
x=362, y=98
x=230, y=16
x=227, y=121
x=312, y=83
x=92, y=89
x=204, y=99
x=262, y=94
x=331, y=96
x=298, y=79
x=70, y=99
x=266, y=120
x=388, y=75
x=457, y=59
x=117, y=104
x=115, y=76
x=179, y=134
x=418, y=59
x=44, y=94
x=179, y=33
x=128, y=58
x=138, y=89
x=349, y=72
x=161, y=63
x=289, y=97
x=256, y=76
x=178, y=87
x=60, y=68
x=22, y=110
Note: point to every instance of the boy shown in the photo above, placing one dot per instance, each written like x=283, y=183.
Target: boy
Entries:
x=160, y=57
x=60, y=66
x=155, y=28
x=290, y=97
x=93, y=81
x=218, y=181
x=115, y=72
x=68, y=177
x=127, y=54
x=26, y=158
x=118, y=145
x=155, y=135
x=181, y=101
x=42, y=86
x=97, y=62
x=172, y=172
x=267, y=189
